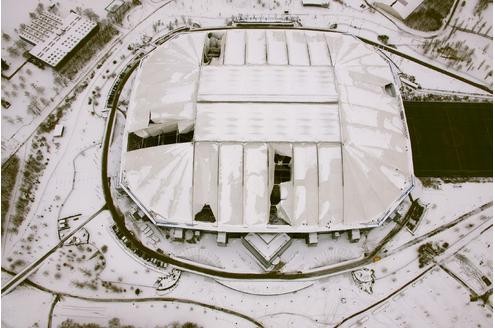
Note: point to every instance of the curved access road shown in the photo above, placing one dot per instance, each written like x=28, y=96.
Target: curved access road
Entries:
x=60, y=295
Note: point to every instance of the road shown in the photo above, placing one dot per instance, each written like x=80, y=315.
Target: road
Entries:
x=441, y=228
x=58, y=297
x=385, y=298
x=27, y=271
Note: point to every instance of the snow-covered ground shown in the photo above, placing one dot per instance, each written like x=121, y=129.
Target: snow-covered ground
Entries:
x=26, y=307
x=473, y=264
x=152, y=313
x=104, y=268
x=19, y=90
x=435, y=300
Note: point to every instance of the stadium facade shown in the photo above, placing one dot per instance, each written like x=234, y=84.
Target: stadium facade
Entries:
x=266, y=130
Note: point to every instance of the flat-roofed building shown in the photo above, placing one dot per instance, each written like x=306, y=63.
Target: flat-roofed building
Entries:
x=286, y=130
x=52, y=48
x=117, y=9
x=41, y=28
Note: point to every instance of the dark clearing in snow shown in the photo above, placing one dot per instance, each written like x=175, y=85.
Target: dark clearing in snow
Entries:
x=451, y=139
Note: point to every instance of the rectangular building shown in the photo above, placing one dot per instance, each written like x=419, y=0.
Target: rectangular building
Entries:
x=59, y=38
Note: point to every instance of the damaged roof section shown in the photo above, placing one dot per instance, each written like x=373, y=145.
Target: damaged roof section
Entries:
x=234, y=183
x=165, y=87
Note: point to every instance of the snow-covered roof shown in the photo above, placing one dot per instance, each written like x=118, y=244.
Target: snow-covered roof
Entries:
x=399, y=8
x=287, y=84
x=66, y=37
x=272, y=122
x=58, y=131
x=161, y=179
x=322, y=107
x=165, y=87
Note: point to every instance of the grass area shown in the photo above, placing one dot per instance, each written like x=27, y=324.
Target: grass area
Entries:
x=429, y=15
x=451, y=139
x=427, y=252
x=9, y=174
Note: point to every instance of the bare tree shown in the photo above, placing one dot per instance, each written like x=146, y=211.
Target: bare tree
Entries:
x=21, y=44
x=40, y=8
x=88, y=12
x=33, y=106
x=14, y=52
x=6, y=37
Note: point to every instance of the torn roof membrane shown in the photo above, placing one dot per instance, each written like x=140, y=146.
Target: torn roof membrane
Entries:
x=165, y=84
x=322, y=103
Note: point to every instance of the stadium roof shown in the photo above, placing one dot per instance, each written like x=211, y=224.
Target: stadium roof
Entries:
x=294, y=130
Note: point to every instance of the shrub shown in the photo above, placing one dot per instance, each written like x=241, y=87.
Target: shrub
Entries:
x=9, y=174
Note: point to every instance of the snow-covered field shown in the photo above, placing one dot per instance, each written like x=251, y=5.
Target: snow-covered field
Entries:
x=26, y=307
x=152, y=313
x=435, y=300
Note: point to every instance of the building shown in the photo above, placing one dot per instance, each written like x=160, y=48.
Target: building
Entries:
x=55, y=38
x=41, y=28
x=399, y=8
x=267, y=131
x=58, y=131
x=117, y=9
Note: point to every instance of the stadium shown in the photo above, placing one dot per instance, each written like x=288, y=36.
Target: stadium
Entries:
x=266, y=130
